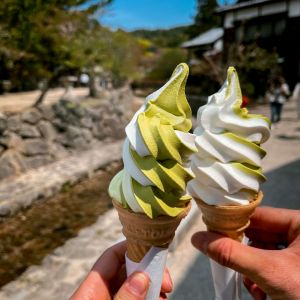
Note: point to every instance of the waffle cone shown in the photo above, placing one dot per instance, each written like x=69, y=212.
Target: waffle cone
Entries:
x=142, y=233
x=228, y=220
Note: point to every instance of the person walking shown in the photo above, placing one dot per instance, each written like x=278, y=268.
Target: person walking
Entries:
x=277, y=95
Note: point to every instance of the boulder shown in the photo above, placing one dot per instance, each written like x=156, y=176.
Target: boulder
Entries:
x=80, y=143
x=35, y=146
x=1, y=149
x=87, y=135
x=73, y=132
x=11, y=163
x=95, y=114
x=31, y=116
x=28, y=131
x=11, y=140
x=60, y=110
x=98, y=131
x=3, y=123
x=14, y=123
x=37, y=161
x=47, y=112
x=69, y=112
x=86, y=122
x=47, y=130
x=58, y=150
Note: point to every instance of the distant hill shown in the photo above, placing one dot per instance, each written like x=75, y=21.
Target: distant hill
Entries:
x=165, y=38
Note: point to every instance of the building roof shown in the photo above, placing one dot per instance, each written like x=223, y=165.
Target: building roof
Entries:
x=206, y=38
x=243, y=5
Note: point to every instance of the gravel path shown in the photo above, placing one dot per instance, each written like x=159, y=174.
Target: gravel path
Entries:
x=14, y=102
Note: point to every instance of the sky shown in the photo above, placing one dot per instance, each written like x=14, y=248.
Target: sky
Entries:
x=149, y=14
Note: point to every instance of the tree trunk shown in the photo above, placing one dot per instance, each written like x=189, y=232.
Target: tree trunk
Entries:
x=42, y=95
x=92, y=85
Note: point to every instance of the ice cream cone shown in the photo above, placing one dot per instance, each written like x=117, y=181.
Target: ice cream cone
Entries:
x=228, y=220
x=142, y=233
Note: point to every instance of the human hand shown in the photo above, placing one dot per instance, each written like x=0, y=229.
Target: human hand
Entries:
x=107, y=279
x=266, y=269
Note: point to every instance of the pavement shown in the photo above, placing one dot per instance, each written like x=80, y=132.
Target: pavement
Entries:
x=61, y=272
x=192, y=277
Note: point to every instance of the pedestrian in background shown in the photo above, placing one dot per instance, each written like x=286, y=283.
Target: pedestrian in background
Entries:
x=277, y=95
x=296, y=97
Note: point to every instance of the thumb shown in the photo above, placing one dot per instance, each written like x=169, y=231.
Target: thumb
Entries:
x=134, y=288
x=232, y=254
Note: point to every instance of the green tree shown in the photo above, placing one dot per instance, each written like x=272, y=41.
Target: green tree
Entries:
x=166, y=64
x=205, y=19
x=96, y=47
x=36, y=36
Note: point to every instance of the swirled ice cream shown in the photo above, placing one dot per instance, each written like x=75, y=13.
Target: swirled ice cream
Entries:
x=227, y=165
x=155, y=151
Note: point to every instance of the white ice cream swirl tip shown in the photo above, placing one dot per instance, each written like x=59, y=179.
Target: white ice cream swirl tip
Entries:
x=227, y=165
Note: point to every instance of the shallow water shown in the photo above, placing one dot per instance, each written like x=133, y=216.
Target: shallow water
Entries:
x=30, y=235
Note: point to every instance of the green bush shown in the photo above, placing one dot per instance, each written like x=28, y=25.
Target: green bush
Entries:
x=165, y=65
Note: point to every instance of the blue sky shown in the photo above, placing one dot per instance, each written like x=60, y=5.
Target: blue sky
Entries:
x=150, y=14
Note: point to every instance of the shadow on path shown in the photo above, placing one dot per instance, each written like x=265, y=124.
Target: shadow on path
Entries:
x=288, y=137
x=281, y=190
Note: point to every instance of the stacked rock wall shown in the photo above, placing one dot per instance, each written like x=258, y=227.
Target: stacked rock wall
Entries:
x=39, y=136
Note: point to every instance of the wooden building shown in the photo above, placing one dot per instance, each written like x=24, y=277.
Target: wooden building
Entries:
x=272, y=24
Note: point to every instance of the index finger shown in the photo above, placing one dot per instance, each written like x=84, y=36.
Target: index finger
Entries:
x=274, y=222
x=274, y=219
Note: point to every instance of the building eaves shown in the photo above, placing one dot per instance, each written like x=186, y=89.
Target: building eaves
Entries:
x=206, y=38
x=243, y=5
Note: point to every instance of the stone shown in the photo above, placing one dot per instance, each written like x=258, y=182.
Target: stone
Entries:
x=60, y=125
x=86, y=122
x=37, y=161
x=35, y=147
x=3, y=123
x=11, y=140
x=73, y=132
x=11, y=163
x=47, y=130
x=14, y=123
x=60, y=110
x=28, y=131
x=1, y=149
x=31, y=116
x=80, y=143
x=95, y=114
x=63, y=140
x=47, y=112
x=98, y=131
x=87, y=135
x=58, y=150
x=79, y=111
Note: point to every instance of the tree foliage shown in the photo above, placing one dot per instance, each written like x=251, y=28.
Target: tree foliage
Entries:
x=36, y=35
x=205, y=19
x=164, y=38
x=165, y=65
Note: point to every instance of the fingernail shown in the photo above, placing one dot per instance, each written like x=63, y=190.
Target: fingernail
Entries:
x=200, y=242
x=138, y=283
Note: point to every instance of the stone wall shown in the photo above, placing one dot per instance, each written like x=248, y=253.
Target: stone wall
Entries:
x=42, y=135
